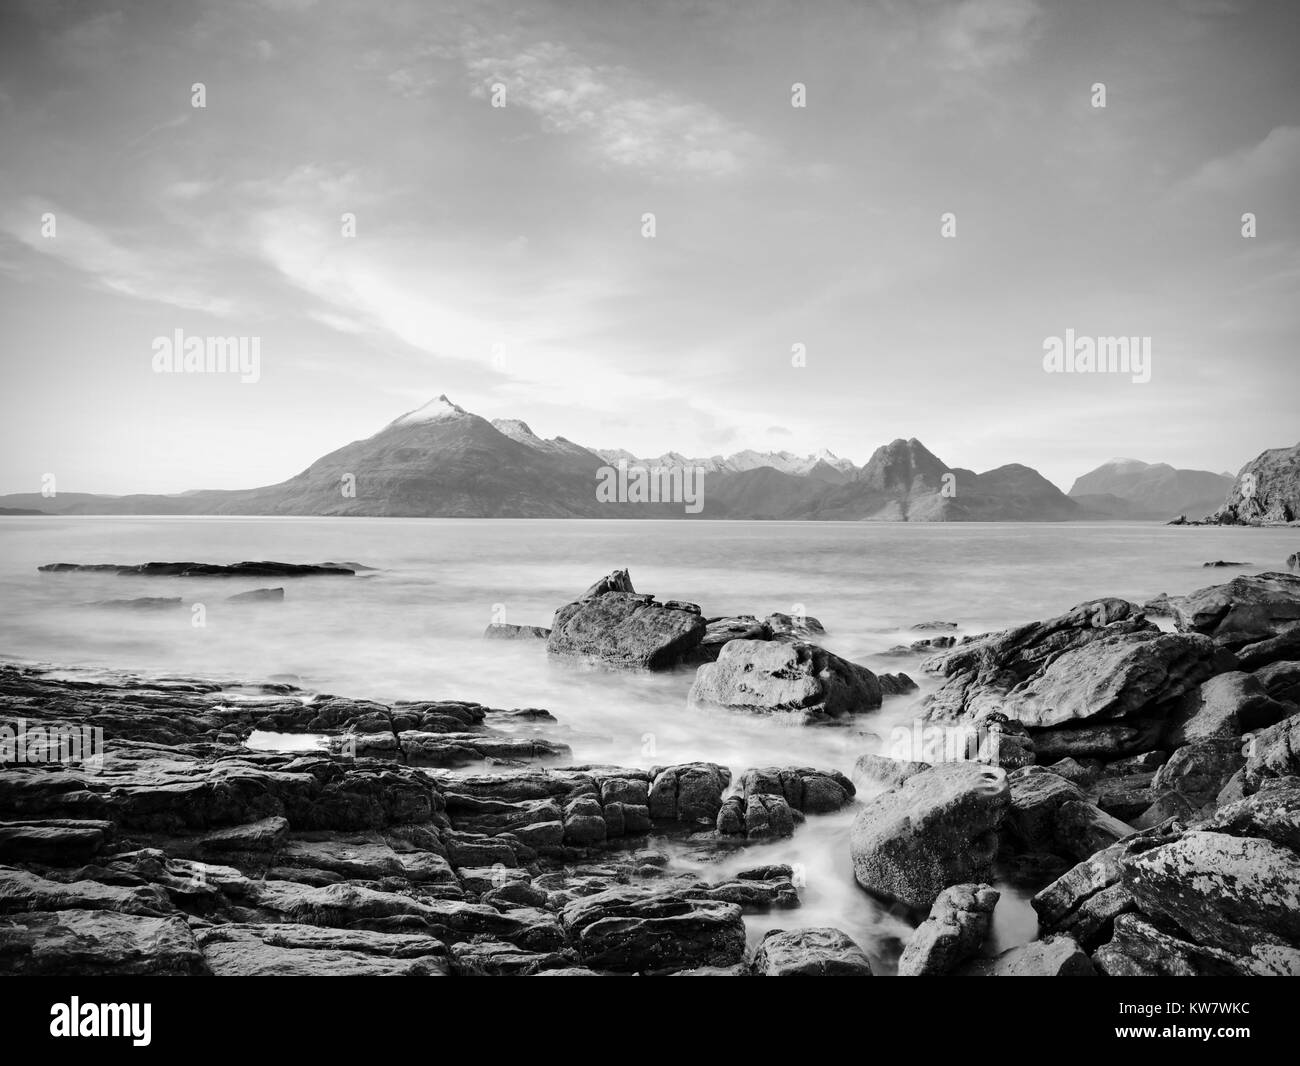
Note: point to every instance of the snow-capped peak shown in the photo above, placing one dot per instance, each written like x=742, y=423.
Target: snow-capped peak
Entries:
x=437, y=410
x=516, y=429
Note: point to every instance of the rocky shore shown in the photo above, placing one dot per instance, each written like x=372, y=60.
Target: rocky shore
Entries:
x=1141, y=781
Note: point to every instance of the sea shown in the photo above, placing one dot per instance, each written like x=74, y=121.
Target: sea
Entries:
x=412, y=628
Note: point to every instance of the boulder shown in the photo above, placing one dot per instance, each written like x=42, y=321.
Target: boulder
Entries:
x=635, y=930
x=1283, y=647
x=1054, y=956
x=95, y=943
x=1227, y=892
x=289, y=950
x=1198, y=771
x=1224, y=706
x=1244, y=611
x=623, y=630
x=816, y=952
x=798, y=628
x=938, y=828
x=955, y=931
x=1272, y=752
x=772, y=677
x=1139, y=949
x=1281, y=680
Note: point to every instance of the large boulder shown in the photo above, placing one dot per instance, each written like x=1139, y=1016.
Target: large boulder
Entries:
x=1227, y=892
x=938, y=828
x=955, y=931
x=89, y=943
x=1050, y=814
x=818, y=952
x=1272, y=752
x=776, y=677
x=1098, y=680
x=626, y=631
x=1225, y=706
x=1243, y=611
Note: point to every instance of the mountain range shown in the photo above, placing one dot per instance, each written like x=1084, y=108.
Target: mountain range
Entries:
x=440, y=460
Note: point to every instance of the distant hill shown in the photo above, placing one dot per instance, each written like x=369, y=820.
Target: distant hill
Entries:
x=1151, y=490
x=440, y=460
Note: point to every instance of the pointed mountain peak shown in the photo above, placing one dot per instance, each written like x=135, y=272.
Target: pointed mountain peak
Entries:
x=440, y=409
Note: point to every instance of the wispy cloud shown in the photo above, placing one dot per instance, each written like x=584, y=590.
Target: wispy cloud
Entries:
x=625, y=120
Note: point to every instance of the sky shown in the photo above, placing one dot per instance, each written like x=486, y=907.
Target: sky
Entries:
x=500, y=255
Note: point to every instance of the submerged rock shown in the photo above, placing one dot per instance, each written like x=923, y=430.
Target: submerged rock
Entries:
x=502, y=631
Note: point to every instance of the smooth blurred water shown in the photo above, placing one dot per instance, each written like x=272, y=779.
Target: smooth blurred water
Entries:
x=413, y=629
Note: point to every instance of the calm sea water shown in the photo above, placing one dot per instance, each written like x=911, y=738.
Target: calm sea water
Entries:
x=413, y=629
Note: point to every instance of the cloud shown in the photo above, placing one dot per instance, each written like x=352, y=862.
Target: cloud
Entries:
x=626, y=121
x=143, y=273
x=979, y=35
x=1276, y=157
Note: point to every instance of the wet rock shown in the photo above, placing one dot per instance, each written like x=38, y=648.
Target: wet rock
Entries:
x=769, y=677
x=1227, y=892
x=1273, y=752
x=882, y=771
x=264, y=835
x=691, y=792
x=638, y=930
x=938, y=828
x=955, y=931
x=1272, y=813
x=140, y=603
x=625, y=631
x=95, y=943
x=797, y=628
x=1198, y=771
x=246, y=569
x=1246, y=610
x=1139, y=949
x=615, y=581
x=815, y=952
x=274, y=595
x=981, y=673
x=1055, y=956
x=54, y=842
x=1085, y=899
x=499, y=959
x=1049, y=813
x=1281, y=680
x=1283, y=647
x=1225, y=706
x=291, y=950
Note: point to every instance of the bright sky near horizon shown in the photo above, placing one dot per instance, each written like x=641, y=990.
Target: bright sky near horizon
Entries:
x=499, y=254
